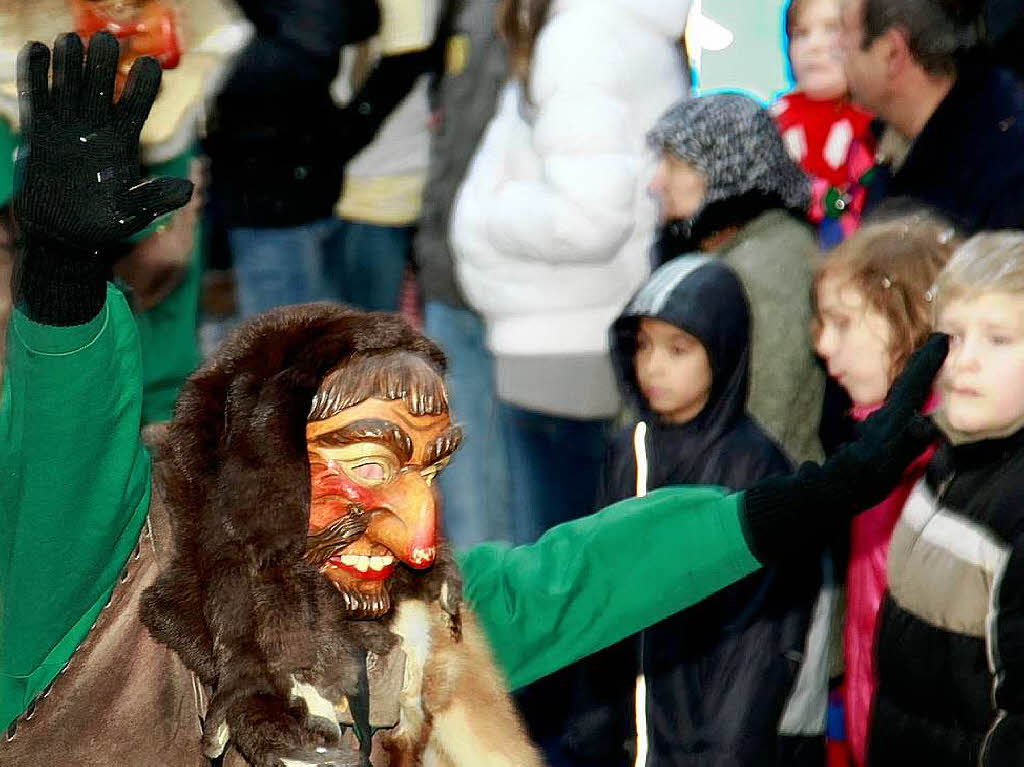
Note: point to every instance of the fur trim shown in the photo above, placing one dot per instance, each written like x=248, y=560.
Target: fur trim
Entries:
x=238, y=604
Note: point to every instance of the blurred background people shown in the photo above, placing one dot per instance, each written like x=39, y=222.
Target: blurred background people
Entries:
x=474, y=488
x=278, y=146
x=728, y=188
x=921, y=66
x=383, y=190
x=823, y=131
x=552, y=229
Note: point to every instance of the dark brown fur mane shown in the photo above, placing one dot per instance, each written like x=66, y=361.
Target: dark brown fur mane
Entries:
x=232, y=471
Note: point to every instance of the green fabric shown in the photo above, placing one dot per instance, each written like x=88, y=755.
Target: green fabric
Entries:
x=169, y=332
x=587, y=584
x=8, y=145
x=74, y=488
x=75, y=492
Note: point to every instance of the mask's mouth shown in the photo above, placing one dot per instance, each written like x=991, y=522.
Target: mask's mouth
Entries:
x=364, y=567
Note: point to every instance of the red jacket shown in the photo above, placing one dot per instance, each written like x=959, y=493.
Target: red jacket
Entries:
x=865, y=585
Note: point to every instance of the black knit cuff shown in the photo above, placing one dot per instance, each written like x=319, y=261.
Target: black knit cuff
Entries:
x=784, y=516
x=57, y=285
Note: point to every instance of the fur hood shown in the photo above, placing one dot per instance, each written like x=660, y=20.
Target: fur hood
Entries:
x=234, y=465
x=238, y=603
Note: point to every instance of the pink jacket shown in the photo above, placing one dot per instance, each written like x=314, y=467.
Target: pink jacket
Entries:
x=865, y=585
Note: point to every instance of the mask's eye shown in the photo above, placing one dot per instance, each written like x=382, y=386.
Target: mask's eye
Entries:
x=375, y=472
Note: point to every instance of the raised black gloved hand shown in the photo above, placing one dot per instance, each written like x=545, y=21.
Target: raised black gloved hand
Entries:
x=78, y=187
x=784, y=516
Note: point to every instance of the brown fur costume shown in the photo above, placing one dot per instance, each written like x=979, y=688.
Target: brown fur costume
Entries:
x=241, y=607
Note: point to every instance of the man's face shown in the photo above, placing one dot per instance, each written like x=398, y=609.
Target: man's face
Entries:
x=377, y=459
x=983, y=378
x=679, y=187
x=866, y=72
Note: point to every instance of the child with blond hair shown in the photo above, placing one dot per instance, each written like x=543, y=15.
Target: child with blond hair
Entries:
x=950, y=640
x=872, y=308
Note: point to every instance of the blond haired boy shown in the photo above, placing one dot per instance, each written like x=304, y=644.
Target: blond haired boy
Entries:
x=950, y=643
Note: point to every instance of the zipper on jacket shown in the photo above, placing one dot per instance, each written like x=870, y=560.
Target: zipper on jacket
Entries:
x=640, y=699
x=983, y=754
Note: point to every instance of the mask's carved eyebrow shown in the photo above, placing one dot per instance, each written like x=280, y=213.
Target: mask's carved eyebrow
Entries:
x=446, y=443
x=380, y=430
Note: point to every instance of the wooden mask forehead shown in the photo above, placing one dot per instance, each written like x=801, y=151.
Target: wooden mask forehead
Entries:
x=399, y=375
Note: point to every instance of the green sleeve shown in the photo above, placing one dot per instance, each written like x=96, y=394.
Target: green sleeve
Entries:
x=74, y=488
x=8, y=146
x=587, y=584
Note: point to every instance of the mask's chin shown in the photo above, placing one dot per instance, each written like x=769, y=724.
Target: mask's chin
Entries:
x=364, y=598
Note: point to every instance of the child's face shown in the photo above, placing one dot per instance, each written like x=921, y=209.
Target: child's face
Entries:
x=983, y=378
x=672, y=370
x=814, y=50
x=855, y=340
x=679, y=187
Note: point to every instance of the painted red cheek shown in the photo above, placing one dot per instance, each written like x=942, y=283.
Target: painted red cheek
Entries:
x=326, y=483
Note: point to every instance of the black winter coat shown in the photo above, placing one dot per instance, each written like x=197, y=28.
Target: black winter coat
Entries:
x=968, y=161
x=718, y=674
x=950, y=640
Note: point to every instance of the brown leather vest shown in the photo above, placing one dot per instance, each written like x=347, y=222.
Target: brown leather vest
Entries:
x=123, y=699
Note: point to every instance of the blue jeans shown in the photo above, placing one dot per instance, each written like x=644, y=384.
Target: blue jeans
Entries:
x=554, y=465
x=365, y=264
x=358, y=264
x=278, y=267
x=474, y=487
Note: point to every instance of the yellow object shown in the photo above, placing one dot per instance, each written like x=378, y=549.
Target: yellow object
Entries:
x=403, y=27
x=457, y=54
x=383, y=200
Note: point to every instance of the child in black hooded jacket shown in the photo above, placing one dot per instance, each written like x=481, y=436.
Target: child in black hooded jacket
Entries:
x=724, y=678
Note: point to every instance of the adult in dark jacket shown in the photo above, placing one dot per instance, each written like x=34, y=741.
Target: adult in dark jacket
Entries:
x=719, y=674
x=919, y=66
x=279, y=143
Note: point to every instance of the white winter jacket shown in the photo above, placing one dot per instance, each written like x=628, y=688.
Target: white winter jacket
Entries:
x=553, y=226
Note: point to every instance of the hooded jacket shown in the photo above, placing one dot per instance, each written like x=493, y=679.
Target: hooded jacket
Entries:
x=718, y=674
x=552, y=227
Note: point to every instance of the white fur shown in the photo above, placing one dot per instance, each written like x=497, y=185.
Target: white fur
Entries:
x=316, y=704
x=220, y=740
x=412, y=625
x=456, y=736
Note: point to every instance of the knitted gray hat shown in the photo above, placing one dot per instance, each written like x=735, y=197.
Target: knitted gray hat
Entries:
x=733, y=140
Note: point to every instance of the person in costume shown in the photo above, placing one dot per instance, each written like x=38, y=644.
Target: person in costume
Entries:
x=289, y=498
x=162, y=264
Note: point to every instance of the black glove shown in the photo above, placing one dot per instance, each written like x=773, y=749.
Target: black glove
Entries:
x=77, y=177
x=784, y=516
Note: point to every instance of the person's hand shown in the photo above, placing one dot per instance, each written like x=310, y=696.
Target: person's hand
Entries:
x=78, y=186
x=157, y=264
x=786, y=515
